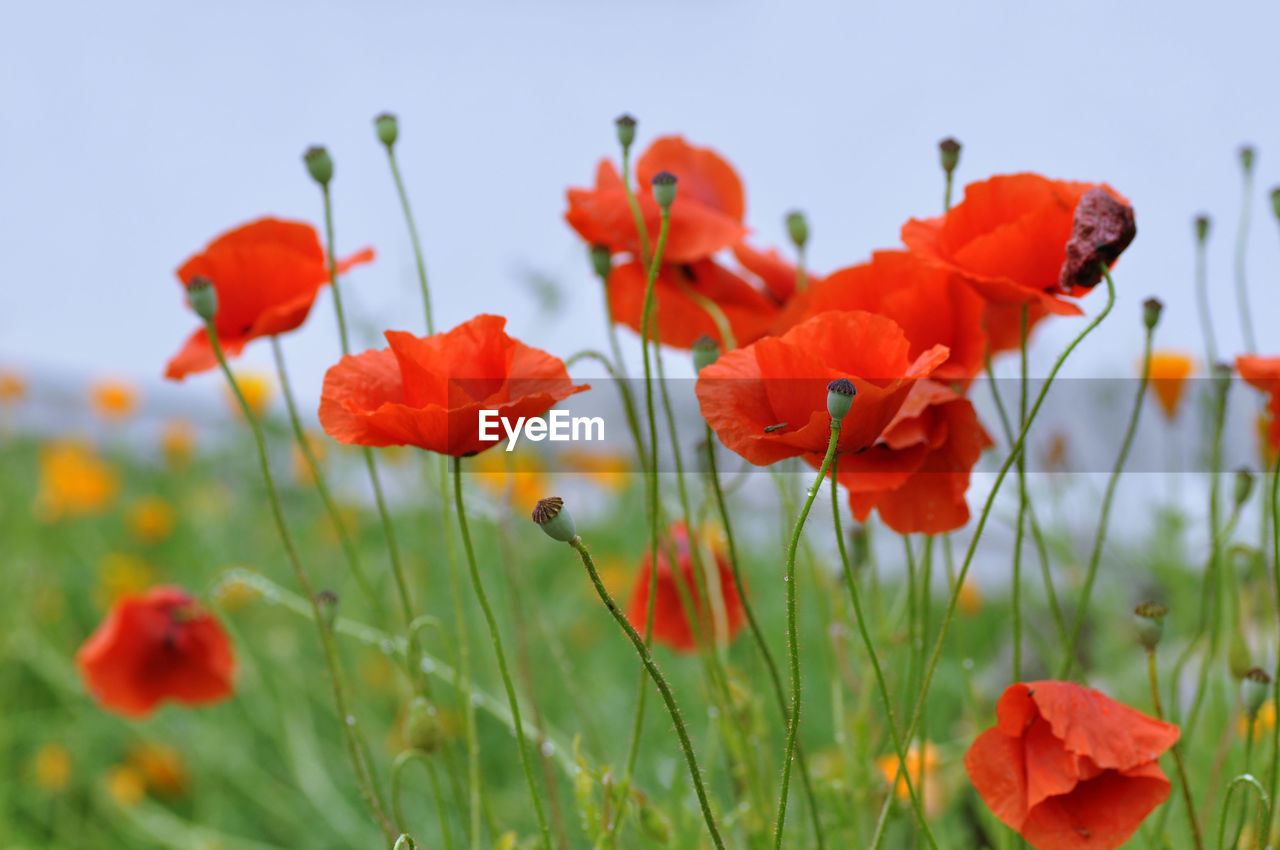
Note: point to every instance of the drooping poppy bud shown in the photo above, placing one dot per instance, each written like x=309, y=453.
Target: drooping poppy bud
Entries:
x=203, y=298
x=388, y=128
x=1151, y=309
x=626, y=127
x=797, y=228
x=705, y=352
x=319, y=164
x=840, y=393
x=1254, y=689
x=1149, y=618
x=949, y=154
x=553, y=518
x=664, y=189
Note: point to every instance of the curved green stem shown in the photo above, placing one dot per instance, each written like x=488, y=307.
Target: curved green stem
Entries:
x=1154, y=680
x=418, y=260
x=1095, y=557
x=793, y=646
x=646, y=658
x=397, y=768
x=496, y=637
x=1016, y=593
x=1202, y=301
x=1264, y=811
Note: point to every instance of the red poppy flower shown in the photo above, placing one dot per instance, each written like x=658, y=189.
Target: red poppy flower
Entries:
x=776, y=275
x=680, y=316
x=706, y=215
x=1008, y=240
x=267, y=274
x=931, y=304
x=917, y=474
x=153, y=647
x=1264, y=373
x=1068, y=767
x=428, y=391
x=768, y=401
x=670, y=618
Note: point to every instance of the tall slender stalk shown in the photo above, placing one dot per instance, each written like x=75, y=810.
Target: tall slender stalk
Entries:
x=1022, y=502
x=1154, y=680
x=1242, y=244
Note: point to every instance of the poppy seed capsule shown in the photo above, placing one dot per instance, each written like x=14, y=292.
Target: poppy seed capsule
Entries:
x=601, y=262
x=1253, y=691
x=1202, y=227
x=949, y=154
x=705, y=352
x=626, y=127
x=319, y=164
x=1275, y=201
x=1151, y=309
x=797, y=228
x=552, y=517
x=388, y=127
x=1149, y=618
x=203, y=298
x=664, y=189
x=1247, y=154
x=1243, y=486
x=840, y=393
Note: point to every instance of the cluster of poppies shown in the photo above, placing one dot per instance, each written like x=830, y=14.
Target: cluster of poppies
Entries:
x=908, y=330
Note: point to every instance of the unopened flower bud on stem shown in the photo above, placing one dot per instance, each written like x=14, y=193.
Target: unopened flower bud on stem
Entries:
x=203, y=298
x=949, y=154
x=1149, y=618
x=388, y=128
x=664, y=189
x=1254, y=689
x=319, y=164
x=626, y=127
x=798, y=229
x=1151, y=309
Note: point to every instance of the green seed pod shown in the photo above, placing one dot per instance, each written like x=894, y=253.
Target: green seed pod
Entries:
x=664, y=189
x=1255, y=687
x=705, y=352
x=949, y=154
x=1149, y=618
x=319, y=164
x=1151, y=309
x=840, y=393
x=553, y=518
x=1275, y=201
x=422, y=729
x=797, y=228
x=388, y=127
x=203, y=298
x=601, y=262
x=626, y=127
x=1202, y=227
x=327, y=602
x=1247, y=156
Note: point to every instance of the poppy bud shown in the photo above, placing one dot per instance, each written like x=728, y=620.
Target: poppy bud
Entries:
x=551, y=517
x=319, y=164
x=422, y=729
x=1149, y=618
x=654, y=823
x=840, y=393
x=1243, y=486
x=1221, y=374
x=327, y=602
x=1238, y=660
x=859, y=546
x=797, y=228
x=1275, y=200
x=949, y=152
x=1247, y=154
x=1151, y=313
x=203, y=298
x=388, y=127
x=601, y=261
x=705, y=352
x=1253, y=691
x=1202, y=227
x=664, y=189
x=626, y=127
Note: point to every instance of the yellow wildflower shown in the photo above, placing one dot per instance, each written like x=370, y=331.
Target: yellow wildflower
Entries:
x=52, y=767
x=917, y=767
x=301, y=469
x=114, y=400
x=257, y=389
x=232, y=594
x=73, y=480
x=607, y=470
x=12, y=387
x=161, y=767
x=1262, y=724
x=126, y=785
x=970, y=597
x=150, y=519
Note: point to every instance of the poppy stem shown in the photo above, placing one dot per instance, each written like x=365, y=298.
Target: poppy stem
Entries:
x=881, y=685
x=333, y=268
x=1017, y=448
x=317, y=477
x=757, y=633
x=1264, y=811
x=1020, y=532
x=418, y=260
x=660, y=682
x=363, y=773
x=1202, y=296
x=793, y=646
x=1154, y=679
x=1242, y=243
x=496, y=638
x=397, y=768
x=1095, y=557
x=1274, y=780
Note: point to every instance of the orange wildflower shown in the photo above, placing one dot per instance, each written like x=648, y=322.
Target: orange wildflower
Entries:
x=114, y=400
x=73, y=480
x=1168, y=378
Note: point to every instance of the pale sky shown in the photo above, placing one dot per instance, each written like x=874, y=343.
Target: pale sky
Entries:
x=132, y=133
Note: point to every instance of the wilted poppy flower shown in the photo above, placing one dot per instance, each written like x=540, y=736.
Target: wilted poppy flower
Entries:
x=267, y=274
x=680, y=314
x=917, y=473
x=706, y=216
x=153, y=647
x=671, y=625
x=1264, y=373
x=1008, y=239
x=931, y=304
x=1102, y=228
x=1168, y=378
x=1068, y=767
x=428, y=391
x=768, y=401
